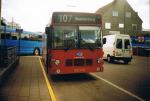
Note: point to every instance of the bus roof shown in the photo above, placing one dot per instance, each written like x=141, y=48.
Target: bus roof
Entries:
x=13, y=30
x=76, y=18
x=7, y=29
x=28, y=32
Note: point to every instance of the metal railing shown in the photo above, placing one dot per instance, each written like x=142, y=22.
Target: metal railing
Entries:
x=8, y=55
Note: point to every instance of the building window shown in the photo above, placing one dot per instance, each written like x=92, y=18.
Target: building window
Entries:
x=107, y=25
x=114, y=13
x=114, y=32
x=134, y=26
x=128, y=14
x=121, y=25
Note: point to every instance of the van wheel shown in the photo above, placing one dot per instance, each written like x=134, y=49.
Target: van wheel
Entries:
x=109, y=59
x=126, y=62
x=36, y=52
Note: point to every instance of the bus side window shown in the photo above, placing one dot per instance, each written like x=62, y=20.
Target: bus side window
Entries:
x=33, y=37
x=40, y=36
x=2, y=36
x=14, y=37
x=8, y=36
x=5, y=36
x=25, y=38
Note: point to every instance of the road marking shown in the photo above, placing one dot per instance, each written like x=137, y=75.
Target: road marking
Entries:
x=123, y=90
x=51, y=93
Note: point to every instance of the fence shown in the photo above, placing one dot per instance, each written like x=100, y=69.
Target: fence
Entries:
x=141, y=51
x=8, y=55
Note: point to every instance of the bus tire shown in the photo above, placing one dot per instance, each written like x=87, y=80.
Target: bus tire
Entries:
x=36, y=51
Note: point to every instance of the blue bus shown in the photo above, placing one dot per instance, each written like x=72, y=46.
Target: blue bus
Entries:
x=141, y=45
x=141, y=41
x=27, y=42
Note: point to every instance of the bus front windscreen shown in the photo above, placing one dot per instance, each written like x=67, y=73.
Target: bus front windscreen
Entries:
x=70, y=37
x=64, y=36
x=90, y=36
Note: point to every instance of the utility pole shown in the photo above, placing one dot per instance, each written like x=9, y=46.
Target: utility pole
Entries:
x=124, y=8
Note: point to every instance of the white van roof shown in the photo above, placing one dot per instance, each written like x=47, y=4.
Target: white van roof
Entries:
x=123, y=35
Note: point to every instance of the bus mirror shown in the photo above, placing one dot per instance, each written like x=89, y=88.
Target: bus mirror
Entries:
x=47, y=30
x=104, y=40
x=98, y=42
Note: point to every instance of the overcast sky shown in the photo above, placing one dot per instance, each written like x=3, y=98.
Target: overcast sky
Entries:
x=33, y=15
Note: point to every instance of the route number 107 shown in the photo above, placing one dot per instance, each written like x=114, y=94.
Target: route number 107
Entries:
x=65, y=18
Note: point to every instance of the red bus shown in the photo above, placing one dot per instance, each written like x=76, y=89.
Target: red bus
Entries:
x=74, y=43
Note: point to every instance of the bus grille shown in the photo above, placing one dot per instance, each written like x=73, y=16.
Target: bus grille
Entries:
x=79, y=62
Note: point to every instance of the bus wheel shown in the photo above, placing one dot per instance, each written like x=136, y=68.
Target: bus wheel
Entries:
x=126, y=61
x=36, y=51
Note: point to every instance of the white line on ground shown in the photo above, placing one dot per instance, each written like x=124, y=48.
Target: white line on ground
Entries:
x=123, y=90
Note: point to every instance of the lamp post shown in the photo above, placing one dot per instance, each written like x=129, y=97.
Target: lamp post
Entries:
x=19, y=32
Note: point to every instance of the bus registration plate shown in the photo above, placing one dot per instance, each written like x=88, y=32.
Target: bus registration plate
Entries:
x=79, y=70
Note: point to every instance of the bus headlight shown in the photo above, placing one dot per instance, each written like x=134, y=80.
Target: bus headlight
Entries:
x=99, y=60
x=58, y=71
x=57, y=62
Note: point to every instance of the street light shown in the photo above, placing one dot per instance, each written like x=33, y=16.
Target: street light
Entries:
x=19, y=32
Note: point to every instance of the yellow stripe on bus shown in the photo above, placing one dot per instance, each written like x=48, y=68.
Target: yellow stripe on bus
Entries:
x=51, y=93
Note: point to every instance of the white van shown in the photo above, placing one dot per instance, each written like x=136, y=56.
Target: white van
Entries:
x=117, y=47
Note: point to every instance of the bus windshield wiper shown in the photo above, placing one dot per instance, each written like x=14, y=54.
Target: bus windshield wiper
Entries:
x=69, y=44
x=87, y=45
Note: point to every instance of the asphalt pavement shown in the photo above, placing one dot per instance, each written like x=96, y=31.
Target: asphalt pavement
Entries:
x=118, y=82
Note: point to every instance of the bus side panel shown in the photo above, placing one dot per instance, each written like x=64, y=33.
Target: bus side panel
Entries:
x=9, y=42
x=27, y=47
